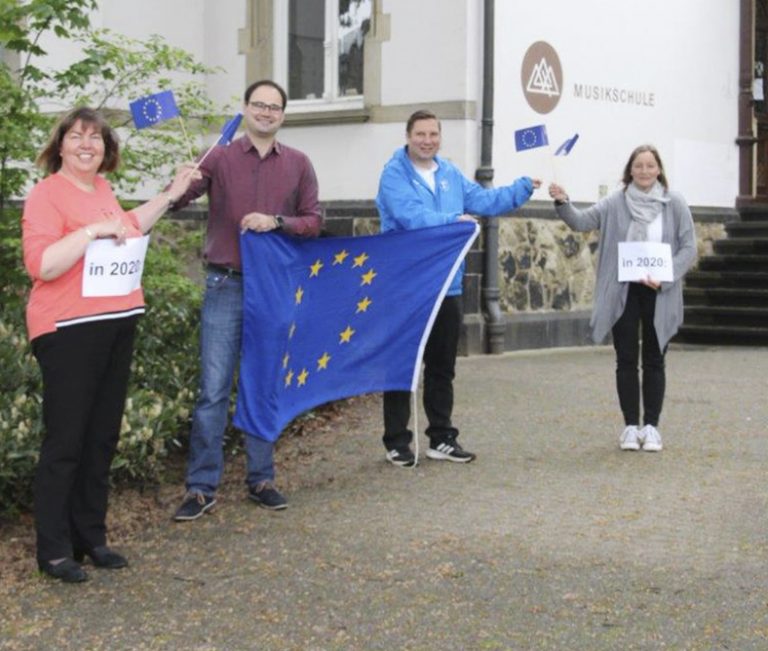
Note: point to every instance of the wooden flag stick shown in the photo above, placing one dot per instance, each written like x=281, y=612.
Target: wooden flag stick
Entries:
x=205, y=155
x=186, y=138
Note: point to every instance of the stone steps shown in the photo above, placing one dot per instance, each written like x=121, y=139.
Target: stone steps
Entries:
x=722, y=279
x=723, y=335
x=747, y=229
x=742, y=245
x=726, y=297
x=734, y=262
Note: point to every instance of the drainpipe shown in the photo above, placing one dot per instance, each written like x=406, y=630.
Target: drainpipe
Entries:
x=494, y=320
x=746, y=138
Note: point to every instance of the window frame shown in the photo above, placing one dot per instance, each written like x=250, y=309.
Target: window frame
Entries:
x=331, y=101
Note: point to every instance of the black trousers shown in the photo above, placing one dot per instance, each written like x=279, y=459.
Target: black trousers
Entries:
x=636, y=321
x=85, y=371
x=439, y=371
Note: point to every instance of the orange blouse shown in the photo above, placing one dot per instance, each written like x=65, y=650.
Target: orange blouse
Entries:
x=54, y=208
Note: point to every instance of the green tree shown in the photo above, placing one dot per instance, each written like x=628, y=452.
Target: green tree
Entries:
x=22, y=25
x=113, y=70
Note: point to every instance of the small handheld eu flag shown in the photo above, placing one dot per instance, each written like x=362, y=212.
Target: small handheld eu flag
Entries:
x=154, y=109
x=531, y=137
x=229, y=129
x=565, y=148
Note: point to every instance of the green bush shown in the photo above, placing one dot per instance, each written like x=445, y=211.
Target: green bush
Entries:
x=164, y=372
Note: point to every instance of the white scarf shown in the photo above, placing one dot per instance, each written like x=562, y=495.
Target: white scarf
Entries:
x=644, y=207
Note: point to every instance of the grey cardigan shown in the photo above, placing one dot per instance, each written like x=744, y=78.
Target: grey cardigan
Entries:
x=612, y=217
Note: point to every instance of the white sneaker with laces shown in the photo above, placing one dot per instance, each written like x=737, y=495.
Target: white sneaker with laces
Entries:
x=629, y=439
x=651, y=439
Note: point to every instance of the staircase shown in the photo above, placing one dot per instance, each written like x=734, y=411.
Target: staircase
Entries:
x=726, y=297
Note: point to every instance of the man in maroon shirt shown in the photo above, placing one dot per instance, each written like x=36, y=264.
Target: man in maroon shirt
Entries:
x=260, y=184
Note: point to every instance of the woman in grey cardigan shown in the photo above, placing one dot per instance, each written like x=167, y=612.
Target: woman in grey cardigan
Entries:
x=643, y=210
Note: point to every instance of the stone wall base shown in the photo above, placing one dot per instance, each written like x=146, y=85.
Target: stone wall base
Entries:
x=529, y=331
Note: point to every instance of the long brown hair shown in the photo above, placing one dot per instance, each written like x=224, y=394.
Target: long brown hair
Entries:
x=49, y=159
x=627, y=178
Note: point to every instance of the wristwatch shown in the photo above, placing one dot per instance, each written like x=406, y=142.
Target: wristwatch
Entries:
x=280, y=222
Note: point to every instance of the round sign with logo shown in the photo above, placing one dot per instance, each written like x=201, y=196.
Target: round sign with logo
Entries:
x=542, y=77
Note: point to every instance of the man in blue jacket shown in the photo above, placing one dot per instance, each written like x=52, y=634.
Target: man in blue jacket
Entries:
x=419, y=189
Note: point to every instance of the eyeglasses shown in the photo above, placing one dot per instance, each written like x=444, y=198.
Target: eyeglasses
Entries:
x=261, y=106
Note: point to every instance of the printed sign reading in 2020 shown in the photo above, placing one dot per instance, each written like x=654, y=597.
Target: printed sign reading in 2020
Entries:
x=643, y=260
x=112, y=270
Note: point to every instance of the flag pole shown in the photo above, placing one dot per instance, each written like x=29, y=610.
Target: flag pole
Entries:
x=205, y=155
x=186, y=138
x=227, y=133
x=415, y=411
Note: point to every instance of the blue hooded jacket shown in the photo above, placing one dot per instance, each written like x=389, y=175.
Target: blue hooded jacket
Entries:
x=406, y=202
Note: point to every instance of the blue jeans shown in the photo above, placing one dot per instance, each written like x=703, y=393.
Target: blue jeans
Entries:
x=220, y=333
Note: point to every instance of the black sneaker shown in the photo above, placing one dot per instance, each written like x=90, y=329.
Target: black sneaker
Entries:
x=265, y=494
x=448, y=450
x=193, y=506
x=401, y=457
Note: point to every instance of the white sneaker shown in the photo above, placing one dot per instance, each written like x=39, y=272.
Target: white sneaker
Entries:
x=629, y=439
x=651, y=439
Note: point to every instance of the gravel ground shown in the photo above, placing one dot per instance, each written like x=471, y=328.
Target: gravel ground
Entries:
x=552, y=539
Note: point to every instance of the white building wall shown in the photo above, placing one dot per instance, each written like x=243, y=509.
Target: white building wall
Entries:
x=685, y=53
x=207, y=29
x=431, y=55
x=348, y=159
x=222, y=20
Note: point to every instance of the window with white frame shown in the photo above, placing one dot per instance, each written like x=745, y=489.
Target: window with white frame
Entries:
x=319, y=50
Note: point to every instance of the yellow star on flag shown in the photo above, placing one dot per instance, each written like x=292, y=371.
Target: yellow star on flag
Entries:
x=360, y=260
x=288, y=378
x=322, y=363
x=286, y=357
x=302, y=379
x=315, y=268
x=362, y=306
x=340, y=257
x=292, y=330
x=346, y=335
x=299, y=294
x=368, y=277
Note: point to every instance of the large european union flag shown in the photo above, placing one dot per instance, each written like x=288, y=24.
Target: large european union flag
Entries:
x=153, y=109
x=325, y=319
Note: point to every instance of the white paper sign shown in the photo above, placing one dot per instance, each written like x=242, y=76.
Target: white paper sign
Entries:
x=112, y=270
x=642, y=260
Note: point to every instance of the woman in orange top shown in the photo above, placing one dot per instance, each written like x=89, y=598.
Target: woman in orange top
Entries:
x=83, y=344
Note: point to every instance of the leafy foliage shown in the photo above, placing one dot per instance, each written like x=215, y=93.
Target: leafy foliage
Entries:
x=163, y=380
x=23, y=23
x=113, y=70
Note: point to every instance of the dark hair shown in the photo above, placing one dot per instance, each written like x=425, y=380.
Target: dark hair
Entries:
x=422, y=114
x=49, y=159
x=265, y=82
x=627, y=178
